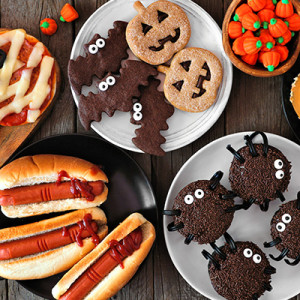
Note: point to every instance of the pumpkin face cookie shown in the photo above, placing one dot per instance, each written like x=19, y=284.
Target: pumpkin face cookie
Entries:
x=193, y=79
x=158, y=31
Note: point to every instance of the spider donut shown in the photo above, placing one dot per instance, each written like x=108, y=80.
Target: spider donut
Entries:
x=202, y=210
x=285, y=231
x=239, y=270
x=259, y=173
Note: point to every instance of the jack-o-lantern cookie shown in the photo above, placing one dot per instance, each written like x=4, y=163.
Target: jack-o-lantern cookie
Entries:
x=193, y=79
x=158, y=31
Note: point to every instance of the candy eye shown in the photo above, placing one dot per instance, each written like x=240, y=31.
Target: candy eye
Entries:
x=278, y=164
x=286, y=218
x=280, y=227
x=199, y=194
x=103, y=86
x=100, y=43
x=137, y=106
x=110, y=80
x=137, y=116
x=257, y=258
x=93, y=49
x=248, y=252
x=279, y=174
x=188, y=199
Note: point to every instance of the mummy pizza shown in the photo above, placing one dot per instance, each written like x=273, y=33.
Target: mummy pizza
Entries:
x=285, y=231
x=202, y=211
x=158, y=31
x=102, y=55
x=151, y=112
x=29, y=78
x=115, y=92
x=259, y=173
x=193, y=79
x=239, y=270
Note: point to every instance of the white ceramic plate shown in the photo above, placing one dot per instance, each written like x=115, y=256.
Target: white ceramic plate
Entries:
x=184, y=127
x=251, y=225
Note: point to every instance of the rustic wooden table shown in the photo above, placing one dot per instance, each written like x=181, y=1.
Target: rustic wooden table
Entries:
x=254, y=104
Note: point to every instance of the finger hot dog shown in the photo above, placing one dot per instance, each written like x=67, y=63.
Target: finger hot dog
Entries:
x=106, y=269
x=45, y=248
x=38, y=184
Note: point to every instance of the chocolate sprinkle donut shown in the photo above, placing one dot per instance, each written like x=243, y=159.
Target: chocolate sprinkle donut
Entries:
x=260, y=177
x=203, y=211
x=245, y=274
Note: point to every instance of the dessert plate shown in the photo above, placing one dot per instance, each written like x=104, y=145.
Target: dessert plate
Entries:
x=184, y=127
x=251, y=225
x=129, y=188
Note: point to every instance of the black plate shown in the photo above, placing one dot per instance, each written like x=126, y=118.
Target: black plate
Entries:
x=129, y=188
x=291, y=116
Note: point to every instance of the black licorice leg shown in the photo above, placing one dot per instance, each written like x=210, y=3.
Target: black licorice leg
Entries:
x=265, y=205
x=245, y=205
x=230, y=241
x=249, y=143
x=298, y=200
x=265, y=139
x=173, y=212
x=248, y=204
x=231, y=195
x=208, y=256
x=273, y=243
x=269, y=270
x=188, y=239
x=293, y=263
x=216, y=180
x=267, y=286
x=280, y=196
x=281, y=256
x=240, y=158
x=255, y=297
x=173, y=227
x=218, y=251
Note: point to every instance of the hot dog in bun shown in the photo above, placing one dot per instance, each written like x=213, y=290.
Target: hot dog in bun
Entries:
x=34, y=185
x=106, y=269
x=48, y=247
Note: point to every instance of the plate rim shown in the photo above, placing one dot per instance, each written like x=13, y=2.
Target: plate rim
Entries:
x=167, y=200
x=227, y=89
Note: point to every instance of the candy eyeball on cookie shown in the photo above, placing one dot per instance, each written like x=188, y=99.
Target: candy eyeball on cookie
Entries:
x=109, y=81
x=94, y=48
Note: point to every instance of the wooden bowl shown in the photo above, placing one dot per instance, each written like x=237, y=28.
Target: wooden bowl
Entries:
x=258, y=70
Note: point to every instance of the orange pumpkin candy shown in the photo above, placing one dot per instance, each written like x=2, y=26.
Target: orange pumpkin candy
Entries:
x=293, y=22
x=257, y=5
x=68, y=13
x=252, y=45
x=277, y=27
x=285, y=38
x=267, y=40
x=48, y=26
x=270, y=60
x=251, y=22
x=284, y=9
x=235, y=29
x=270, y=4
x=265, y=16
x=250, y=59
x=241, y=11
x=283, y=51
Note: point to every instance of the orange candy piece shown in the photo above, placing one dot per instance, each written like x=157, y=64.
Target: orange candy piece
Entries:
x=270, y=4
x=267, y=40
x=284, y=39
x=265, y=16
x=250, y=59
x=251, y=22
x=241, y=11
x=277, y=27
x=284, y=8
x=257, y=5
x=283, y=51
x=270, y=60
x=235, y=29
x=48, y=26
x=293, y=22
x=252, y=45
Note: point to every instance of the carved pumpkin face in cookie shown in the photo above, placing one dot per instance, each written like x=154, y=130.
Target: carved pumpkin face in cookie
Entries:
x=193, y=79
x=158, y=31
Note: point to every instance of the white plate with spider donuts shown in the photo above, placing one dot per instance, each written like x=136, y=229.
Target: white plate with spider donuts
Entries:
x=247, y=225
x=184, y=127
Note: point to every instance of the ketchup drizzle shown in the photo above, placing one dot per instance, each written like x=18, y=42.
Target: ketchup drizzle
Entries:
x=124, y=248
x=78, y=188
x=65, y=231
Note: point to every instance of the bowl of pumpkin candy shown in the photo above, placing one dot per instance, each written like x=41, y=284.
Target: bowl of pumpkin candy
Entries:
x=261, y=37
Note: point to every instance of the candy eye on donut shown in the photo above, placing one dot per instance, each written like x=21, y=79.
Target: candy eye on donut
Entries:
x=286, y=218
x=93, y=48
x=279, y=174
x=278, y=164
x=199, y=194
x=189, y=199
x=280, y=227
x=248, y=253
x=257, y=258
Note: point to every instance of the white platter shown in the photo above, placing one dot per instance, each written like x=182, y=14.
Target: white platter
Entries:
x=184, y=127
x=251, y=225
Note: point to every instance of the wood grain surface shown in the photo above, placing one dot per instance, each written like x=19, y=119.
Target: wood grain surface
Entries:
x=254, y=104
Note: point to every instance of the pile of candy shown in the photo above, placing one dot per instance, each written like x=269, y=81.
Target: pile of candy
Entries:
x=261, y=29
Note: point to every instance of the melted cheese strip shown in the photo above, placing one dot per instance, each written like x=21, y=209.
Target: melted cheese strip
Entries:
x=17, y=38
x=38, y=95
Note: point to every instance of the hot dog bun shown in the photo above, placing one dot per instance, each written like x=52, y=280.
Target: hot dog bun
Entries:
x=44, y=168
x=117, y=278
x=54, y=261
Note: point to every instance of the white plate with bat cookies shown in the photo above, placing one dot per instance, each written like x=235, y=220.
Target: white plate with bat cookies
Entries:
x=183, y=127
